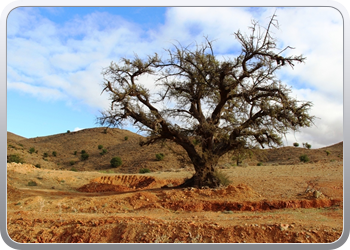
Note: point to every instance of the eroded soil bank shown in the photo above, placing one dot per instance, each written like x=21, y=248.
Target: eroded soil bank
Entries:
x=259, y=206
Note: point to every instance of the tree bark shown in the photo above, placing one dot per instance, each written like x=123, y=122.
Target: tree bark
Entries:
x=204, y=176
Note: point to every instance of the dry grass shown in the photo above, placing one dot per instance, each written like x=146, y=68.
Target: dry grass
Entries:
x=135, y=157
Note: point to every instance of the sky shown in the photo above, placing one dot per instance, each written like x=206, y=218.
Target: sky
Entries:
x=55, y=56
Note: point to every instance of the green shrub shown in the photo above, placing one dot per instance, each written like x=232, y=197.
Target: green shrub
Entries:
x=37, y=165
x=116, y=162
x=72, y=163
x=144, y=170
x=327, y=152
x=307, y=145
x=84, y=156
x=20, y=144
x=104, y=151
x=68, y=131
x=295, y=144
x=54, y=153
x=14, y=158
x=99, y=146
x=45, y=155
x=304, y=158
x=75, y=152
x=126, y=138
x=73, y=169
x=31, y=150
x=159, y=156
x=32, y=183
x=83, y=151
x=259, y=164
x=222, y=177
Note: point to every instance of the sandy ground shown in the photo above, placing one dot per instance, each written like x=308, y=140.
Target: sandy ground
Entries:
x=282, y=203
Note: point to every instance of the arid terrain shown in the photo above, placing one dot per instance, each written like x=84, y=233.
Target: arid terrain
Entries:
x=273, y=197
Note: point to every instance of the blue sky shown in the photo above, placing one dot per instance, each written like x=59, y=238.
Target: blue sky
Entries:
x=55, y=57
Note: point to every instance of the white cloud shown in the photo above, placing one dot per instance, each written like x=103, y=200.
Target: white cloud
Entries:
x=77, y=129
x=65, y=61
x=42, y=93
x=328, y=128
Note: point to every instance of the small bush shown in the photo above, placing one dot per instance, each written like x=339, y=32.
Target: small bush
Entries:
x=295, y=144
x=32, y=183
x=73, y=169
x=159, y=156
x=83, y=151
x=20, y=144
x=144, y=170
x=31, y=150
x=37, y=165
x=116, y=162
x=104, y=151
x=72, y=163
x=259, y=164
x=306, y=145
x=222, y=177
x=327, y=152
x=54, y=153
x=84, y=156
x=14, y=158
x=99, y=146
x=126, y=138
x=75, y=152
x=68, y=131
x=304, y=158
x=45, y=155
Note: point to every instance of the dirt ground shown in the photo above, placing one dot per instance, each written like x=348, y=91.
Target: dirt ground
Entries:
x=300, y=203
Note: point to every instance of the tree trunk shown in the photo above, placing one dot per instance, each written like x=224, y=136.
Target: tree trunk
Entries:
x=204, y=167
x=204, y=176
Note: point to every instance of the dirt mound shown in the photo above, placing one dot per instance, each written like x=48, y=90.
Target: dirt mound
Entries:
x=100, y=188
x=216, y=206
x=20, y=168
x=141, y=229
x=120, y=183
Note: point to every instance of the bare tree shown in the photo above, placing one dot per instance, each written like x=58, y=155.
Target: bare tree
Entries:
x=226, y=104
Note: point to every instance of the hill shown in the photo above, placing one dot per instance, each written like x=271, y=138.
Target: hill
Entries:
x=14, y=137
x=125, y=144
x=115, y=142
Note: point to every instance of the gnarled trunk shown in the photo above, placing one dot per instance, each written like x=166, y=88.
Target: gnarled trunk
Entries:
x=204, y=176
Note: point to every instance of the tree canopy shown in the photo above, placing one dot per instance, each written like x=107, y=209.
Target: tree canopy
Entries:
x=225, y=103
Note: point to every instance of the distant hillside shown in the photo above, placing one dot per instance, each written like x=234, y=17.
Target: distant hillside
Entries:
x=125, y=144
x=117, y=142
x=14, y=137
